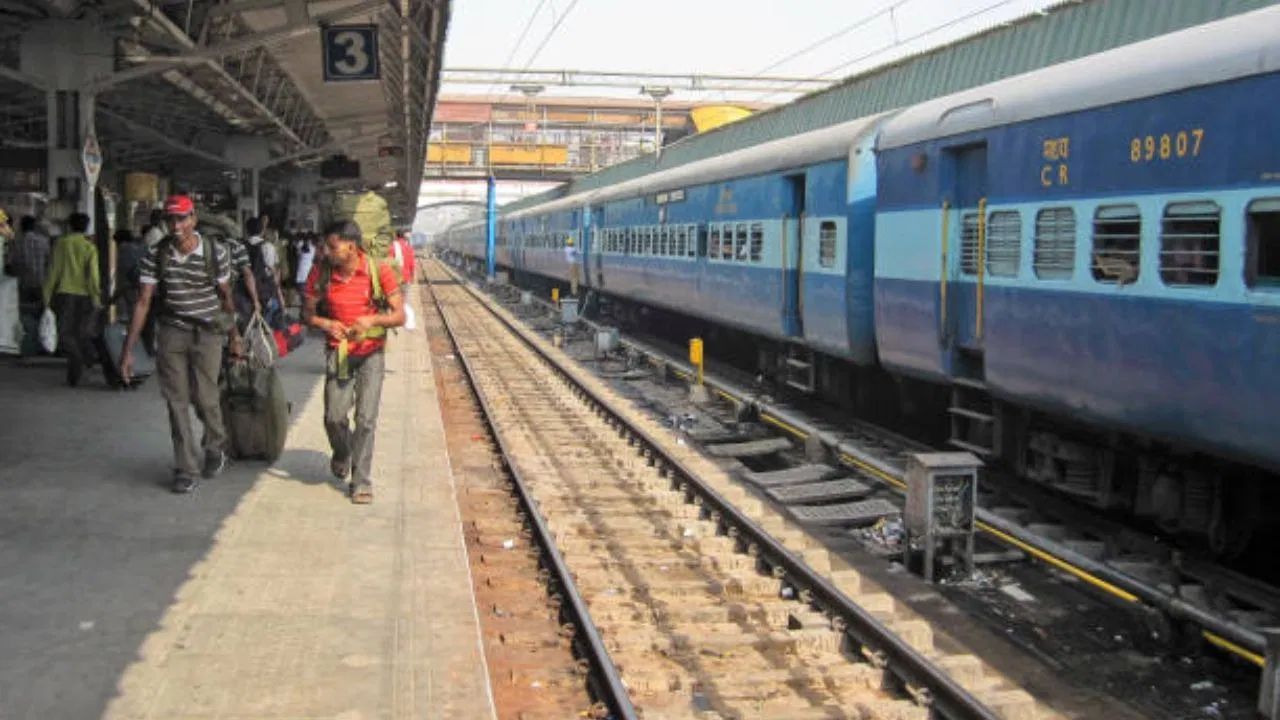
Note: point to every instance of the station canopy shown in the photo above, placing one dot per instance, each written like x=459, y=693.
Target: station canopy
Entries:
x=190, y=78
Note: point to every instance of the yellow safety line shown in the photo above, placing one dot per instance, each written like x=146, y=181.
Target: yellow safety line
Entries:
x=785, y=426
x=1061, y=564
x=1231, y=647
x=873, y=470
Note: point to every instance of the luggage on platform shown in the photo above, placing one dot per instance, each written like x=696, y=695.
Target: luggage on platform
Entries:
x=255, y=411
x=110, y=345
x=289, y=338
x=10, y=317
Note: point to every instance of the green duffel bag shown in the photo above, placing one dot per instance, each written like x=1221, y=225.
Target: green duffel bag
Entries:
x=255, y=411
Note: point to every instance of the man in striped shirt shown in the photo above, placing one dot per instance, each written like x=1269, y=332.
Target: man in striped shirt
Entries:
x=189, y=278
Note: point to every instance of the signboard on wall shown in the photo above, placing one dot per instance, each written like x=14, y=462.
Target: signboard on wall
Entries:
x=350, y=52
x=91, y=155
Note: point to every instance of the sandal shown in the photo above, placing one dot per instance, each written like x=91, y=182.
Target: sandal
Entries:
x=362, y=494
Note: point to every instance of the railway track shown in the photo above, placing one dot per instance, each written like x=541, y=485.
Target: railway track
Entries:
x=1170, y=590
x=688, y=597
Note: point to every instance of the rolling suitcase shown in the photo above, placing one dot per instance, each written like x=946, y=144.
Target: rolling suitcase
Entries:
x=109, y=345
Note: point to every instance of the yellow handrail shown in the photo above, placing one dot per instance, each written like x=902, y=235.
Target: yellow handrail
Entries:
x=942, y=284
x=982, y=264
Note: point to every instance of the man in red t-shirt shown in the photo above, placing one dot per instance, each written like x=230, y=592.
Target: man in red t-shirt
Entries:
x=353, y=300
x=404, y=256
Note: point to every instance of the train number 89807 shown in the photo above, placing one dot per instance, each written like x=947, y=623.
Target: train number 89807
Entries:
x=1184, y=143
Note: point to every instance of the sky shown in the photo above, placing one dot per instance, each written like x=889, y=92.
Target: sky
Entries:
x=730, y=37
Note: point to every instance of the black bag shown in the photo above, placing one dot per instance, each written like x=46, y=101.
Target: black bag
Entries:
x=255, y=411
x=109, y=345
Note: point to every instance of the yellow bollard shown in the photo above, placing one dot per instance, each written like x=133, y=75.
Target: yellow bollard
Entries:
x=555, y=296
x=695, y=356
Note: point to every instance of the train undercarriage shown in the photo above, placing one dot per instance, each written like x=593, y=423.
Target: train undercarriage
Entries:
x=1210, y=502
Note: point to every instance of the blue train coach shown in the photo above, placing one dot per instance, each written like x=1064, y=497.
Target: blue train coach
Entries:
x=1099, y=240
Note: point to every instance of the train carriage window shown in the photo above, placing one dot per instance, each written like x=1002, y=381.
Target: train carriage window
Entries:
x=682, y=240
x=1054, y=254
x=757, y=241
x=827, y=243
x=1262, y=266
x=647, y=233
x=1117, y=237
x=713, y=242
x=665, y=243
x=726, y=242
x=1004, y=243
x=743, y=248
x=969, y=244
x=693, y=240
x=1189, y=239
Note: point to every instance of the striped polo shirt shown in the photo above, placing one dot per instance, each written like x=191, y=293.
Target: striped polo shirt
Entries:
x=189, y=298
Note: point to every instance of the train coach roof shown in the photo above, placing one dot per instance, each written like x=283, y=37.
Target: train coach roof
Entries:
x=1240, y=46
x=797, y=151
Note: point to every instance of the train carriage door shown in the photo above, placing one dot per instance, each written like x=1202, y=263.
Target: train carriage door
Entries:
x=597, y=223
x=964, y=236
x=793, y=203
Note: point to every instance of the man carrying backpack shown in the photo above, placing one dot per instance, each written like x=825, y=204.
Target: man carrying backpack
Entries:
x=353, y=299
x=264, y=263
x=188, y=277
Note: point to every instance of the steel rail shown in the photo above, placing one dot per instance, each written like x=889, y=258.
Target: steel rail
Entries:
x=917, y=674
x=1228, y=635
x=614, y=692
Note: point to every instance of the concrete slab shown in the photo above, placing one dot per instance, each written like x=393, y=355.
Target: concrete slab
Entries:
x=263, y=594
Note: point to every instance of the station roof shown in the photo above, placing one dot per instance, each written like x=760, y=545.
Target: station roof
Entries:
x=1069, y=30
x=192, y=75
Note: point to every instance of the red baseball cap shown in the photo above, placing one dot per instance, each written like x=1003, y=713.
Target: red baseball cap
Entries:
x=179, y=205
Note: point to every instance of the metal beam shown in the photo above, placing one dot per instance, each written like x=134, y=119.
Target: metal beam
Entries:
x=19, y=76
x=163, y=139
x=159, y=63
x=596, y=78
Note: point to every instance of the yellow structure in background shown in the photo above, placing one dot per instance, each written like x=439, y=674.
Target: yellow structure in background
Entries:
x=142, y=187
x=710, y=117
x=459, y=153
x=513, y=154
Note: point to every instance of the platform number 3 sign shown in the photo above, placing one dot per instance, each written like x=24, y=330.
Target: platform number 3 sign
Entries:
x=350, y=52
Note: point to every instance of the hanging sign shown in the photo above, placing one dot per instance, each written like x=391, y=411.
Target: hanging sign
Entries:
x=91, y=156
x=350, y=52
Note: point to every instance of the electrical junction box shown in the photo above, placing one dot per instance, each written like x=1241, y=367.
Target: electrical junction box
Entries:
x=942, y=491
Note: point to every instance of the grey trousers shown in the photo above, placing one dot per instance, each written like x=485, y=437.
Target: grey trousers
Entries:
x=362, y=390
x=188, y=362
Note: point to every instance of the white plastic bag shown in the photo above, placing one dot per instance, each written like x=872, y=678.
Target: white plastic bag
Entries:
x=259, y=344
x=410, y=320
x=48, y=331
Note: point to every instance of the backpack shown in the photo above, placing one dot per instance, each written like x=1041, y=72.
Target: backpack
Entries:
x=263, y=276
x=370, y=211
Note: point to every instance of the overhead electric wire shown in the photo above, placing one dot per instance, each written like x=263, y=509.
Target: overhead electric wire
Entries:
x=550, y=33
x=861, y=22
x=900, y=43
x=528, y=25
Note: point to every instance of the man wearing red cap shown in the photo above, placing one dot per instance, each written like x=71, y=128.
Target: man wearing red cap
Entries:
x=189, y=279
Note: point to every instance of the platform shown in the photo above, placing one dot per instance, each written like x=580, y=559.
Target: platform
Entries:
x=263, y=594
